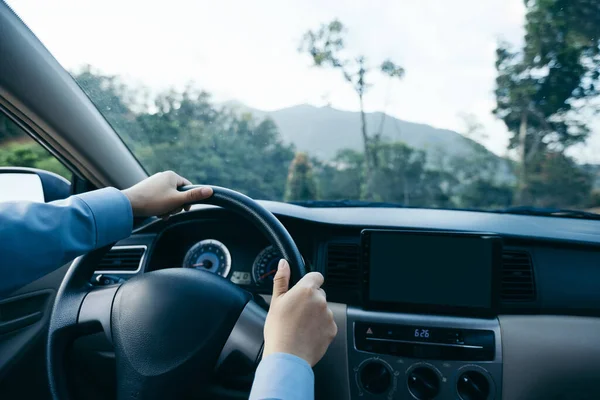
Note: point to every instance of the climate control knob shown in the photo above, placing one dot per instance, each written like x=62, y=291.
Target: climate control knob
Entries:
x=473, y=385
x=375, y=377
x=423, y=383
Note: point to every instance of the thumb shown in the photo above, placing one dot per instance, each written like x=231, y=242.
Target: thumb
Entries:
x=196, y=194
x=282, y=279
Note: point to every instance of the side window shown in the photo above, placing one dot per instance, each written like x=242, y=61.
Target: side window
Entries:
x=17, y=149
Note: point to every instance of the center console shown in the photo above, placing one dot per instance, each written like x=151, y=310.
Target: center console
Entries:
x=414, y=356
x=428, y=329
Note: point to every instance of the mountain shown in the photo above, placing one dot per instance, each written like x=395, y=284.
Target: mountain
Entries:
x=322, y=131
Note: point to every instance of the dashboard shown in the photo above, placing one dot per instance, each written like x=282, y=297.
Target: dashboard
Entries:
x=541, y=319
x=226, y=245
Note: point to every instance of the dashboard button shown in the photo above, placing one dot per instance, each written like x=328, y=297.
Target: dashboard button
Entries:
x=473, y=385
x=366, y=330
x=375, y=377
x=423, y=383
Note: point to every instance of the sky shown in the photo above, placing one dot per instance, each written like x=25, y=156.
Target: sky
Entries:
x=247, y=51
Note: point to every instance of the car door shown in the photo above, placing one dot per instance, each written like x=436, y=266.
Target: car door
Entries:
x=24, y=313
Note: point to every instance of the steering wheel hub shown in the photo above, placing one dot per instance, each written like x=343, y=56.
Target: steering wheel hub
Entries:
x=161, y=321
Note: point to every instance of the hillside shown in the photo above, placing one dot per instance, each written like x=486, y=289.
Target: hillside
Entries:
x=322, y=131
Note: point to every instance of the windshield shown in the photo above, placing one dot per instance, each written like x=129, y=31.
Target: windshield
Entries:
x=451, y=104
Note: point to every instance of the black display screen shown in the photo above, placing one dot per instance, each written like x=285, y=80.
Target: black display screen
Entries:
x=430, y=268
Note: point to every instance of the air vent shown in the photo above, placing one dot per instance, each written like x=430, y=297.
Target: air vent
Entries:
x=122, y=259
x=342, y=266
x=518, y=284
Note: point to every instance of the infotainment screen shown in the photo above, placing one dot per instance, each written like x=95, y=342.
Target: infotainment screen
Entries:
x=438, y=270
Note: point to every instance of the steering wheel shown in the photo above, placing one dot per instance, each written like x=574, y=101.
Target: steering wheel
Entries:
x=170, y=328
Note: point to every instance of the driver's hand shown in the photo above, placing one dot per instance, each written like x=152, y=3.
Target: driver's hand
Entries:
x=158, y=195
x=299, y=321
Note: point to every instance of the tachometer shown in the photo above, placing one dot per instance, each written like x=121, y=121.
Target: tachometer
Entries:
x=209, y=255
x=265, y=265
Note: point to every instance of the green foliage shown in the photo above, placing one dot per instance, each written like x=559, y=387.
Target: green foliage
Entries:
x=401, y=176
x=192, y=136
x=478, y=177
x=301, y=184
x=556, y=181
x=114, y=100
x=186, y=132
x=9, y=130
x=515, y=90
x=324, y=44
x=483, y=194
x=540, y=88
x=238, y=153
x=595, y=199
x=564, y=37
x=189, y=134
x=392, y=70
x=28, y=153
x=19, y=150
x=341, y=178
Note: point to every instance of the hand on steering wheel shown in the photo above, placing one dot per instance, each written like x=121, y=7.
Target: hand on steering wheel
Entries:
x=158, y=195
x=299, y=321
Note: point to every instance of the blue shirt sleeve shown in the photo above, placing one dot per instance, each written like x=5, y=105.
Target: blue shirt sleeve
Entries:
x=283, y=376
x=37, y=238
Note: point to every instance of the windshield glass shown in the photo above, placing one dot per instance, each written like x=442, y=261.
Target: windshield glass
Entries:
x=451, y=104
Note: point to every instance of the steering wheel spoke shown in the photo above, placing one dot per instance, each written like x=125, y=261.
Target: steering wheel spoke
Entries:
x=96, y=309
x=246, y=340
x=65, y=322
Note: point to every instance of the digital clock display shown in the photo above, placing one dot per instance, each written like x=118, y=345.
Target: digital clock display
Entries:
x=424, y=342
x=408, y=333
x=422, y=333
x=427, y=334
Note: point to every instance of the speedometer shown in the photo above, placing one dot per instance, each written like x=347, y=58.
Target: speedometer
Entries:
x=265, y=265
x=209, y=255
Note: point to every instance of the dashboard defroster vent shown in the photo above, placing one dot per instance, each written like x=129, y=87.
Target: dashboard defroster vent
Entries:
x=518, y=284
x=343, y=266
x=122, y=259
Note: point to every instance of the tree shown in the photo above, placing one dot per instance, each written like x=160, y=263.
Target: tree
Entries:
x=483, y=194
x=562, y=46
x=326, y=46
x=114, y=100
x=184, y=131
x=301, y=185
x=235, y=151
x=564, y=37
x=515, y=93
x=595, y=200
x=9, y=130
x=557, y=181
x=340, y=179
x=402, y=177
x=541, y=89
x=479, y=179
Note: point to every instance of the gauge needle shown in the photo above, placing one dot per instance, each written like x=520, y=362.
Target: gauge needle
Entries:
x=198, y=265
x=267, y=274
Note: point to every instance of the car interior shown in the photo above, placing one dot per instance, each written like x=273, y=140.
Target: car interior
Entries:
x=415, y=318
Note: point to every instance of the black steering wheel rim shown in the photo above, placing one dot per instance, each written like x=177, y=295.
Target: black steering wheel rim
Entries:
x=67, y=322
x=263, y=219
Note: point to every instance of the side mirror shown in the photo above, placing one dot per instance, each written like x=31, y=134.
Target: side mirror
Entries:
x=30, y=184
